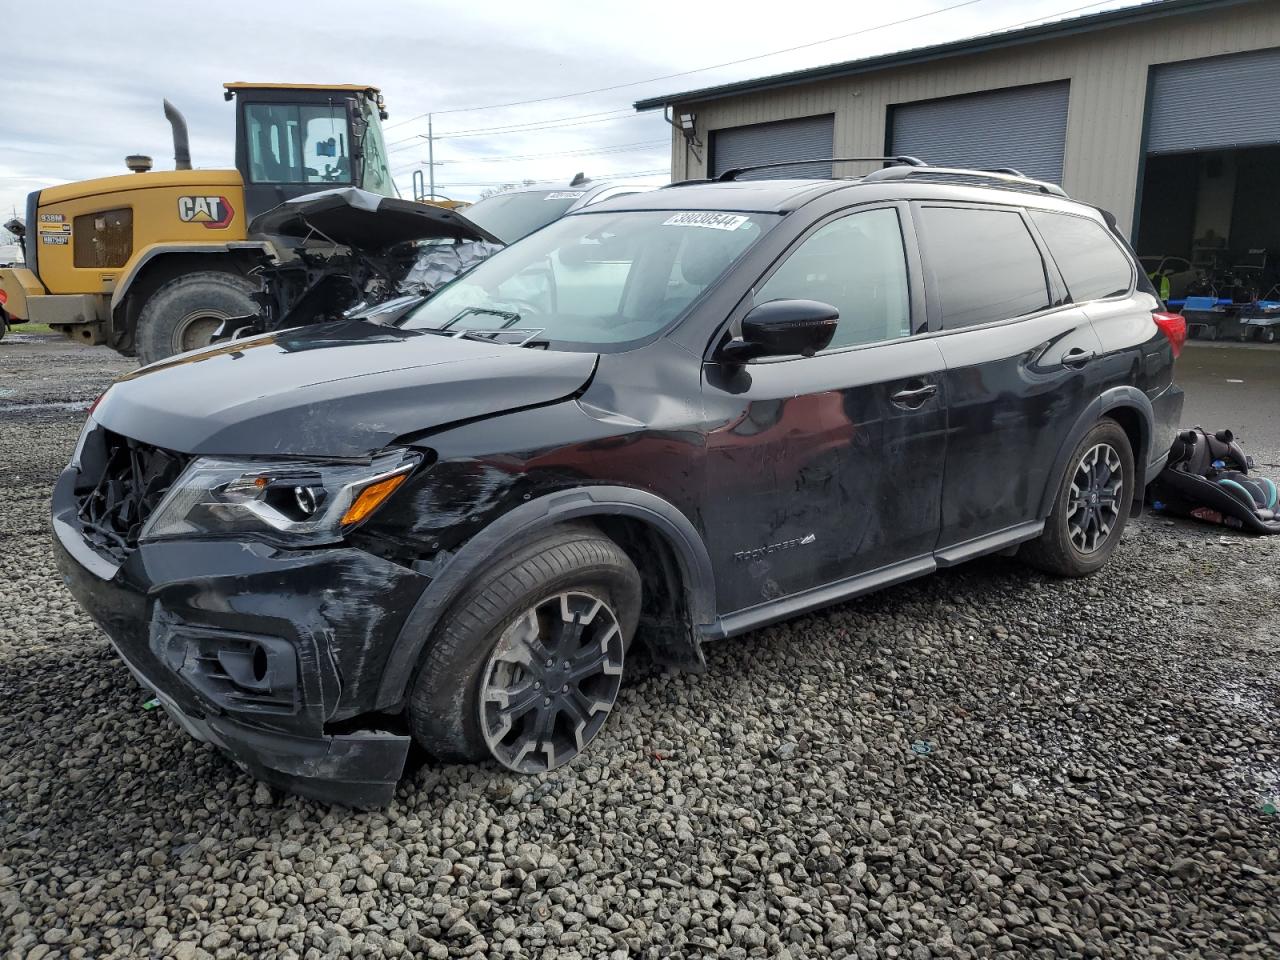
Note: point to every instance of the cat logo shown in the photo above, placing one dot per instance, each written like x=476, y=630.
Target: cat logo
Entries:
x=214, y=213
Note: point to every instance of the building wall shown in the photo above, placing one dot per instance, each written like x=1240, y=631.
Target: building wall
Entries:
x=1108, y=70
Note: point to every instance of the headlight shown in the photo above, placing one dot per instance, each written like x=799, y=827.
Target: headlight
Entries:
x=290, y=501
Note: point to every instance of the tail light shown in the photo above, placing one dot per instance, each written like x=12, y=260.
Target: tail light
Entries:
x=1173, y=326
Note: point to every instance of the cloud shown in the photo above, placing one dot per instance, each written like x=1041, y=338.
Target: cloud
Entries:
x=74, y=106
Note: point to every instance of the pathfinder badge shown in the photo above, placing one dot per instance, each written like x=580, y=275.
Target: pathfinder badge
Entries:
x=758, y=552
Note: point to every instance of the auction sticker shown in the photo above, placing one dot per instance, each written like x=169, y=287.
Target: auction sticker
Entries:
x=55, y=239
x=564, y=195
x=700, y=218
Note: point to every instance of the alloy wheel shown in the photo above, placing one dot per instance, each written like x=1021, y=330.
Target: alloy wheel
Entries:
x=551, y=681
x=1093, y=503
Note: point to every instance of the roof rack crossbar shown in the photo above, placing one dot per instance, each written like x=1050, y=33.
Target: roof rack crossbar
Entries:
x=1003, y=175
x=736, y=172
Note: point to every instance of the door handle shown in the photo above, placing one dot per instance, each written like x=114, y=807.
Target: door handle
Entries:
x=914, y=398
x=1077, y=357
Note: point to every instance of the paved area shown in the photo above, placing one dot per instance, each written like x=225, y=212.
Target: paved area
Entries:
x=1236, y=386
x=982, y=763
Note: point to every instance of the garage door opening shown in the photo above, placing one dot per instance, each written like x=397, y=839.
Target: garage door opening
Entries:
x=1208, y=227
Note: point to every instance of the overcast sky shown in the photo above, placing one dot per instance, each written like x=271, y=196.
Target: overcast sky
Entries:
x=82, y=81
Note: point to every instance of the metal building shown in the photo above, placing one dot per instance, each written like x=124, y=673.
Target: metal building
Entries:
x=1166, y=113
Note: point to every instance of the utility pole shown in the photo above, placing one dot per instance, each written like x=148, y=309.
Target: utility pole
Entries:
x=429, y=136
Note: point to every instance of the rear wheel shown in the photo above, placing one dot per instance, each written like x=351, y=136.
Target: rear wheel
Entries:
x=1091, y=507
x=527, y=665
x=184, y=313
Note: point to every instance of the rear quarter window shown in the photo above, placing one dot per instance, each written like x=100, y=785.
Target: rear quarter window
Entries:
x=985, y=265
x=1091, y=262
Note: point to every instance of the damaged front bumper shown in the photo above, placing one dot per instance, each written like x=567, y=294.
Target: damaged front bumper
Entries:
x=257, y=650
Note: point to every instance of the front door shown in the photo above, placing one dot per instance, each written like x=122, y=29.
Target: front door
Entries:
x=821, y=468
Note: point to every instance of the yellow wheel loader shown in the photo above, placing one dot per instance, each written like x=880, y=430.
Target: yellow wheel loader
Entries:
x=153, y=262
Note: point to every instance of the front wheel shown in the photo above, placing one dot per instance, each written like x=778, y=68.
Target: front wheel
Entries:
x=186, y=312
x=1091, y=507
x=527, y=665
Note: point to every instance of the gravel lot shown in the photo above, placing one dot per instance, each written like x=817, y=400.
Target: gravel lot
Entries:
x=981, y=763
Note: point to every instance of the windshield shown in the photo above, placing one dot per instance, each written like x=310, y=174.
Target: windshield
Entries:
x=595, y=281
x=510, y=216
x=294, y=143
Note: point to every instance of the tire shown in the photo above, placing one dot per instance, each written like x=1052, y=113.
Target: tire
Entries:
x=1076, y=546
x=572, y=571
x=183, y=314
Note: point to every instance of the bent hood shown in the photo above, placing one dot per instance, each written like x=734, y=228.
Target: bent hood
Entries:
x=343, y=389
x=365, y=221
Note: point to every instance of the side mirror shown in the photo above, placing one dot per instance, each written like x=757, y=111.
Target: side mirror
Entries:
x=783, y=328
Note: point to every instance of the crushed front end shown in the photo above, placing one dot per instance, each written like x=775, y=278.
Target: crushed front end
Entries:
x=261, y=649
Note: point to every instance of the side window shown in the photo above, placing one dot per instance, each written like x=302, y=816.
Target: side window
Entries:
x=986, y=265
x=858, y=265
x=1091, y=262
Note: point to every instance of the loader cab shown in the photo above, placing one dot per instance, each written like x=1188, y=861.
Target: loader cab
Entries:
x=295, y=139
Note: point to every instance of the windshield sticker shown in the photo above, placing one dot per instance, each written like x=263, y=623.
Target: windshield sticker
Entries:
x=564, y=195
x=715, y=221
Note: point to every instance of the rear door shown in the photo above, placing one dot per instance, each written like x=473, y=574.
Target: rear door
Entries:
x=1020, y=363
x=822, y=468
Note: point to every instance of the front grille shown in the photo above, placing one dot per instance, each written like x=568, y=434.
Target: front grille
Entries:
x=121, y=482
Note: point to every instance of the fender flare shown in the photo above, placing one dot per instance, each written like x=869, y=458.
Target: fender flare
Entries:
x=1123, y=396
x=148, y=254
x=535, y=515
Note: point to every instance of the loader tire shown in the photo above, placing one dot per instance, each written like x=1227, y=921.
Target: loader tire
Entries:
x=184, y=313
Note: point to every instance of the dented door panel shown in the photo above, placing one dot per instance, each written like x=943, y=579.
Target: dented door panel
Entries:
x=816, y=473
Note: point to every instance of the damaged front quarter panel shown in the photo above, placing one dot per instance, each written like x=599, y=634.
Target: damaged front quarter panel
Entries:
x=479, y=497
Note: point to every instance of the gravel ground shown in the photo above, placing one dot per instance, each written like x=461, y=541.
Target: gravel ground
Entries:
x=981, y=763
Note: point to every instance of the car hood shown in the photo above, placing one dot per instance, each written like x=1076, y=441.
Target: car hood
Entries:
x=364, y=220
x=343, y=389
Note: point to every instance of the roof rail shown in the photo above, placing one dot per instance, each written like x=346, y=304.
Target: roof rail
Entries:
x=1002, y=175
x=734, y=173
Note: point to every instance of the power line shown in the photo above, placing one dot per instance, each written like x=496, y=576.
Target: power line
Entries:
x=685, y=73
x=626, y=115
x=510, y=127
x=521, y=180
x=584, y=152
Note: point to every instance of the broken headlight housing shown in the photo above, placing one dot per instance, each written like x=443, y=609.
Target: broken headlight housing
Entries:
x=292, y=502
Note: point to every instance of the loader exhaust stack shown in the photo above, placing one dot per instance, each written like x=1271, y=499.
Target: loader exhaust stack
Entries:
x=181, y=144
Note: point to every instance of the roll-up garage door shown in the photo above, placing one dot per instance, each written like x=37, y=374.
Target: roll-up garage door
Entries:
x=1215, y=104
x=810, y=138
x=1020, y=127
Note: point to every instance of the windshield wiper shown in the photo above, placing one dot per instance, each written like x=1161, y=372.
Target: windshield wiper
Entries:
x=520, y=336
x=509, y=315
x=512, y=336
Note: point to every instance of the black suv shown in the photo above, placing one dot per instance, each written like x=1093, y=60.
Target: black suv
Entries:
x=672, y=417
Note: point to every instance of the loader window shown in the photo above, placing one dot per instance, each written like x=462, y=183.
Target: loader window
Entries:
x=290, y=143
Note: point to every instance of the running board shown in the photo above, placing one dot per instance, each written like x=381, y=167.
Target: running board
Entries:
x=753, y=618
x=991, y=543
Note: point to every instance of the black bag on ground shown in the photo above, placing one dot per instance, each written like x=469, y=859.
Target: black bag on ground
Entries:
x=1207, y=477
